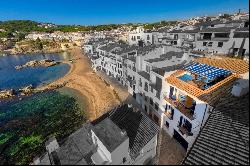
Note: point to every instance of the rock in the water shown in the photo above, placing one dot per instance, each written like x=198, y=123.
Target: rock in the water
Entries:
x=26, y=90
x=35, y=63
x=7, y=93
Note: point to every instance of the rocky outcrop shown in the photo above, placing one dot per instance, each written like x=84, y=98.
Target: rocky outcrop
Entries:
x=36, y=63
x=7, y=93
x=26, y=90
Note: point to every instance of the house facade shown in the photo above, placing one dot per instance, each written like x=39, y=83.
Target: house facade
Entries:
x=122, y=136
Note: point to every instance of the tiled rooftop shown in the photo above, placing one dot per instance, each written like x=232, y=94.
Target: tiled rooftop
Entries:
x=220, y=29
x=225, y=136
x=110, y=135
x=237, y=66
x=166, y=56
x=208, y=94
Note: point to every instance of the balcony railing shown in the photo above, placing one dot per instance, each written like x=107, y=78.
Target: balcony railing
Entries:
x=180, y=106
x=183, y=129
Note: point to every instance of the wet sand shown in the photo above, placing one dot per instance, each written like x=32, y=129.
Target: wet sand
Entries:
x=99, y=97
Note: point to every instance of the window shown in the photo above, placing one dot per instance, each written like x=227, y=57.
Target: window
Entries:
x=146, y=87
x=167, y=124
x=152, y=90
x=151, y=101
x=210, y=44
x=95, y=140
x=204, y=43
x=140, y=83
x=138, y=37
x=166, y=108
x=156, y=106
x=148, y=69
x=148, y=38
x=220, y=44
x=124, y=159
x=145, y=98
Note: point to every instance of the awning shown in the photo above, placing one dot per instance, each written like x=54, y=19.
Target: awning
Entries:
x=207, y=71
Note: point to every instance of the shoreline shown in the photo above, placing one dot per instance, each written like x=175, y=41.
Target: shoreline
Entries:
x=34, y=52
x=99, y=97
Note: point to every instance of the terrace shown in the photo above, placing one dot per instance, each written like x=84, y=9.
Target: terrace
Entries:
x=207, y=78
x=184, y=104
x=203, y=76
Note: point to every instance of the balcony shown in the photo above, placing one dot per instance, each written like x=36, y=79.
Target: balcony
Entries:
x=170, y=38
x=189, y=39
x=184, y=130
x=204, y=38
x=169, y=115
x=213, y=38
x=220, y=38
x=181, y=107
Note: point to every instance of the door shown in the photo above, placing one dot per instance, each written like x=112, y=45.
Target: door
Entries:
x=181, y=140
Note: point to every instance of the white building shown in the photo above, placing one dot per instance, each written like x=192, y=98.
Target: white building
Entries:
x=140, y=37
x=223, y=40
x=146, y=72
x=191, y=94
x=122, y=136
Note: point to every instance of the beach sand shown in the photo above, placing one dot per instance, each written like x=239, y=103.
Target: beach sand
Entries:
x=99, y=96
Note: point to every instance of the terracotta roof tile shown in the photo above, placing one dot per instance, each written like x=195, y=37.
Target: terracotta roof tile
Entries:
x=237, y=66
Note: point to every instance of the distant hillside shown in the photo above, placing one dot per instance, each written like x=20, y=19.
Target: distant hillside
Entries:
x=18, y=28
x=18, y=25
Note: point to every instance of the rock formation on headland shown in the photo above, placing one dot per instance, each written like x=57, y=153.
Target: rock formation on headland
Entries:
x=36, y=63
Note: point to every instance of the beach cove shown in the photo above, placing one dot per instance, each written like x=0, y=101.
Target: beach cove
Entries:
x=84, y=97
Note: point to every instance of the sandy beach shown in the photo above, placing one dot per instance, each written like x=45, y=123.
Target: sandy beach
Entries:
x=81, y=77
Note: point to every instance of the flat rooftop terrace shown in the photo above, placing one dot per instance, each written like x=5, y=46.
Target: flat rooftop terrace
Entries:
x=206, y=77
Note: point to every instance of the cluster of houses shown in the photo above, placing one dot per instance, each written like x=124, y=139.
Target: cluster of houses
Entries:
x=58, y=36
x=178, y=75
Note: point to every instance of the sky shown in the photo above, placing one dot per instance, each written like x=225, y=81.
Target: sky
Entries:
x=94, y=12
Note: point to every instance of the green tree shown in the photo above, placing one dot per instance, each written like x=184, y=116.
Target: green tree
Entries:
x=38, y=44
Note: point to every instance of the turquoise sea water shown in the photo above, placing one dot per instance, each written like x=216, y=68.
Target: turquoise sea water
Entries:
x=25, y=124
x=10, y=78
